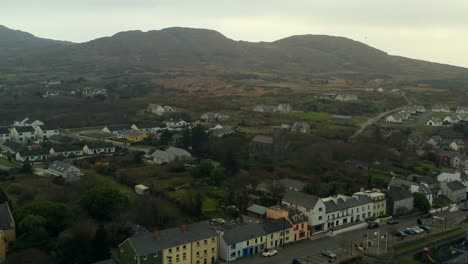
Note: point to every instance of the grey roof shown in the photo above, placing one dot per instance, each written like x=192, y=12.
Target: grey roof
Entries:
x=61, y=139
x=343, y=204
x=263, y=139
x=302, y=199
x=258, y=209
x=33, y=152
x=178, y=152
x=243, y=233
x=276, y=225
x=67, y=148
x=162, y=154
x=429, y=180
x=13, y=145
x=25, y=129
x=146, y=243
x=4, y=130
x=99, y=145
x=455, y=185
x=397, y=194
x=48, y=127
x=5, y=218
x=60, y=166
x=145, y=126
x=119, y=127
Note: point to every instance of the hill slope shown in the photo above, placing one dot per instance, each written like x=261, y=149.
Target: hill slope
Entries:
x=185, y=48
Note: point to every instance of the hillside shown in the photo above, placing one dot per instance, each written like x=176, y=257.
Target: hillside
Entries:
x=184, y=48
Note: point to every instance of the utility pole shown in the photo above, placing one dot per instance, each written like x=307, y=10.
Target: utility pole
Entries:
x=378, y=243
x=386, y=243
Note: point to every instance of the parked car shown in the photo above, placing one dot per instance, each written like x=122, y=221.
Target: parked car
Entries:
x=400, y=234
x=297, y=261
x=329, y=254
x=270, y=253
x=373, y=225
x=417, y=229
x=464, y=208
x=392, y=222
x=425, y=228
x=428, y=215
x=410, y=231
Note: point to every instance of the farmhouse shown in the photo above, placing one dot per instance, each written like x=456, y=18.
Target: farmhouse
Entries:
x=96, y=148
x=457, y=145
x=213, y=117
x=66, y=151
x=65, y=170
x=179, y=154
x=440, y=109
x=346, y=97
x=342, y=120
x=434, y=121
x=35, y=155
x=45, y=132
x=455, y=190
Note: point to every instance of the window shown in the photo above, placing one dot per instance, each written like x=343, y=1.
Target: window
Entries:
x=261, y=239
x=170, y=250
x=198, y=243
x=206, y=241
x=184, y=256
x=233, y=246
x=198, y=253
x=145, y=258
x=320, y=209
x=177, y=248
x=320, y=218
x=212, y=239
x=271, y=236
x=256, y=241
x=205, y=252
x=248, y=243
x=287, y=232
x=184, y=247
x=233, y=254
x=212, y=250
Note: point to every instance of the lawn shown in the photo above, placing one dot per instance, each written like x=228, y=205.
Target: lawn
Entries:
x=311, y=116
x=209, y=205
x=8, y=163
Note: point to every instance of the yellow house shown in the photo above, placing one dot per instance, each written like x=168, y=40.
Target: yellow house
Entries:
x=7, y=229
x=379, y=200
x=132, y=135
x=279, y=232
x=189, y=244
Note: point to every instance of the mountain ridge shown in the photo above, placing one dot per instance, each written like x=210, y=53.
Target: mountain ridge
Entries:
x=176, y=48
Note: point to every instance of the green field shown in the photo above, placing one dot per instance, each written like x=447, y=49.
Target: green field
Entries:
x=312, y=116
x=8, y=163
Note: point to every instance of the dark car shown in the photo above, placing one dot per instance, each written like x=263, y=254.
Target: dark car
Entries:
x=373, y=225
x=410, y=231
x=465, y=208
x=329, y=254
x=297, y=261
x=400, y=234
x=392, y=222
x=429, y=215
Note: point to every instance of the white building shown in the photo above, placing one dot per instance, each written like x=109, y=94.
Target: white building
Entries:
x=457, y=145
x=36, y=155
x=67, y=171
x=342, y=210
x=141, y=189
x=66, y=151
x=44, y=132
x=310, y=205
x=23, y=134
x=162, y=157
x=5, y=134
x=97, y=148
x=435, y=121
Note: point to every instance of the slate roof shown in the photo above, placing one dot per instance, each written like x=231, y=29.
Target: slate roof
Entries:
x=302, y=199
x=455, y=186
x=4, y=130
x=99, y=145
x=258, y=209
x=13, y=145
x=119, y=127
x=48, y=127
x=243, y=233
x=67, y=148
x=161, y=154
x=263, y=139
x=25, y=129
x=61, y=139
x=60, y=166
x=33, y=152
x=343, y=204
x=5, y=218
x=429, y=180
x=397, y=194
x=178, y=152
x=276, y=225
x=146, y=243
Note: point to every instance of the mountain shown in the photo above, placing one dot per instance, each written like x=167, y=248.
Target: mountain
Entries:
x=186, y=48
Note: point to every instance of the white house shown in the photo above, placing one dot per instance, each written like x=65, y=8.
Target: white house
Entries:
x=342, y=210
x=23, y=134
x=155, y=109
x=454, y=190
x=162, y=157
x=457, y=145
x=435, y=121
x=44, y=132
x=176, y=124
x=27, y=122
x=36, y=155
x=381, y=90
x=179, y=154
x=394, y=118
x=311, y=205
x=435, y=141
x=346, y=97
x=141, y=189
x=65, y=170
x=148, y=128
x=457, y=161
x=413, y=187
x=440, y=109
x=66, y=151
x=116, y=129
x=462, y=110
x=5, y=134
x=450, y=120
x=96, y=148
x=456, y=176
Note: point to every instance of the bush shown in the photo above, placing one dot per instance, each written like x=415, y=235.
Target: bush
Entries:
x=102, y=203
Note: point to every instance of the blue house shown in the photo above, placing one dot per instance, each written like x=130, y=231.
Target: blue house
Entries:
x=242, y=241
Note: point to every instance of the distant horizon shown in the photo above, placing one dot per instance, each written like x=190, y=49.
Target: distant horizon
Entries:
x=429, y=30
x=260, y=41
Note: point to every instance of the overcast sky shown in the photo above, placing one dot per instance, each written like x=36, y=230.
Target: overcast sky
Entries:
x=434, y=30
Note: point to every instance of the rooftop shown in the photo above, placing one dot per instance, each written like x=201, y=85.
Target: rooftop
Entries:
x=243, y=233
x=302, y=199
x=258, y=209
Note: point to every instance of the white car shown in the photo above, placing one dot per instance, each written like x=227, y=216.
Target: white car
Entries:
x=417, y=229
x=270, y=253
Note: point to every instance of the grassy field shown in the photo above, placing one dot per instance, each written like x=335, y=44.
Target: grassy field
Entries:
x=8, y=163
x=312, y=116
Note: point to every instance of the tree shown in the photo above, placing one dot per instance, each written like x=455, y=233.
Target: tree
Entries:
x=421, y=203
x=202, y=170
x=102, y=203
x=100, y=247
x=165, y=137
x=217, y=176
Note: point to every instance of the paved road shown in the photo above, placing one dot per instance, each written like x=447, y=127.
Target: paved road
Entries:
x=5, y=168
x=372, y=121
x=310, y=250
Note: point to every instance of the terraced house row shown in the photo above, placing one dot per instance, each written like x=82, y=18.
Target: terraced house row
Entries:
x=206, y=242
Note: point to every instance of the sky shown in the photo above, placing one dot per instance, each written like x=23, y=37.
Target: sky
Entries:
x=432, y=30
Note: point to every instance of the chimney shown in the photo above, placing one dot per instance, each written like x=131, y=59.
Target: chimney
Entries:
x=183, y=228
x=157, y=234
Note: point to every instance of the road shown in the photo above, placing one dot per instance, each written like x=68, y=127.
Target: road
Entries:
x=372, y=121
x=115, y=143
x=343, y=244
